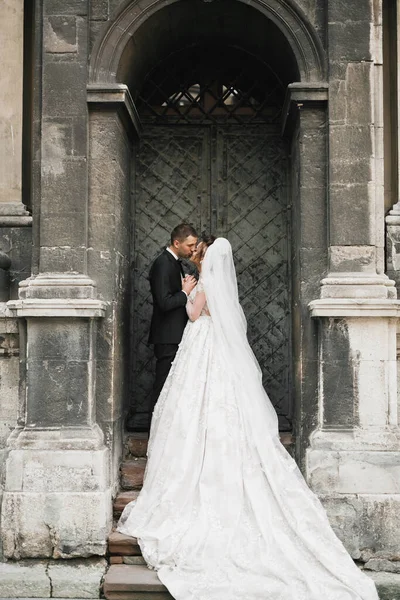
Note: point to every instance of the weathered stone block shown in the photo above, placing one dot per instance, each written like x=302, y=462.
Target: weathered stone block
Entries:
x=99, y=10
x=65, y=229
x=346, y=141
x=64, y=184
x=359, y=97
x=61, y=339
x=77, y=578
x=60, y=34
x=59, y=471
x=382, y=564
x=27, y=579
x=349, y=259
x=312, y=224
x=63, y=138
x=350, y=41
x=354, y=472
x=365, y=522
x=62, y=260
x=57, y=525
x=354, y=201
x=9, y=391
x=64, y=89
x=60, y=7
x=109, y=392
x=388, y=585
x=66, y=383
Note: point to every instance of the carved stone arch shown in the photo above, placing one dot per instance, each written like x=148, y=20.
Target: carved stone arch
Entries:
x=300, y=34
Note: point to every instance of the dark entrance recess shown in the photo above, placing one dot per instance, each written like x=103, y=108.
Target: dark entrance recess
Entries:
x=211, y=153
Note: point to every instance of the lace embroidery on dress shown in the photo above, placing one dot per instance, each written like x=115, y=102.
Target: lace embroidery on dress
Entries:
x=200, y=288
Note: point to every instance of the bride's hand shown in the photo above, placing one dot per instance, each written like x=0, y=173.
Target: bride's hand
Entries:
x=188, y=283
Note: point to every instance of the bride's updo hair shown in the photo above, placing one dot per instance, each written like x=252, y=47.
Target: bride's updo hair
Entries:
x=205, y=240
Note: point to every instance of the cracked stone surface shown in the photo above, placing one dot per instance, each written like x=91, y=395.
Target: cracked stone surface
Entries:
x=76, y=578
x=24, y=579
x=73, y=579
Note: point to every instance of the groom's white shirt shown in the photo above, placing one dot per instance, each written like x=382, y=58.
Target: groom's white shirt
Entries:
x=173, y=253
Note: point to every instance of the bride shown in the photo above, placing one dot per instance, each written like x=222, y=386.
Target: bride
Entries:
x=224, y=513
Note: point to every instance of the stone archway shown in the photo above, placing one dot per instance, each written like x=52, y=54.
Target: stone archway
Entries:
x=286, y=15
x=132, y=47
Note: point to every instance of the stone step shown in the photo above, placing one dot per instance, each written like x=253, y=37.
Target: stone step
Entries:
x=136, y=582
x=136, y=445
x=132, y=473
x=121, y=500
x=122, y=545
x=133, y=582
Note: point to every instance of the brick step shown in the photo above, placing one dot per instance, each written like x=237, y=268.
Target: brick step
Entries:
x=133, y=582
x=122, y=545
x=121, y=500
x=132, y=473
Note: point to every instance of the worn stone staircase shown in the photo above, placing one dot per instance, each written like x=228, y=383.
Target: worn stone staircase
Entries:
x=128, y=577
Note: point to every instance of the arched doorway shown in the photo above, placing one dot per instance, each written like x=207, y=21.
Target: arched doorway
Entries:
x=226, y=75
x=211, y=153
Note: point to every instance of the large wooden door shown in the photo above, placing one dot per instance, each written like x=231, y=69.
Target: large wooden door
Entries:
x=230, y=181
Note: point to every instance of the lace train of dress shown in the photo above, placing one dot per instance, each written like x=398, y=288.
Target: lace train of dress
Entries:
x=221, y=515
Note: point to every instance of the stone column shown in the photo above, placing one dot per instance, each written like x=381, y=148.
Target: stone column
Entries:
x=305, y=116
x=113, y=125
x=57, y=499
x=354, y=453
x=356, y=198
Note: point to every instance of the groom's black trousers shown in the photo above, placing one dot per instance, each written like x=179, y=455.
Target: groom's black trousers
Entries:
x=165, y=354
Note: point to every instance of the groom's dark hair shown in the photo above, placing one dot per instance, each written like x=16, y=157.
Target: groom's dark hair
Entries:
x=182, y=231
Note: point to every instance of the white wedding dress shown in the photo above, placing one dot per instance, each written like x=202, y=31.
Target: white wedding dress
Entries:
x=224, y=513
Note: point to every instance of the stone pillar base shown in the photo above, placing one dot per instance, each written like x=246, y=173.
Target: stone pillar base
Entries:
x=353, y=462
x=57, y=501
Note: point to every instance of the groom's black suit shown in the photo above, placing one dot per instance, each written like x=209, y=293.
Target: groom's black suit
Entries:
x=169, y=316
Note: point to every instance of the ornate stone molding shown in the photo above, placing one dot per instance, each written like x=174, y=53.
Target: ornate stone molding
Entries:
x=115, y=95
x=14, y=214
x=299, y=94
x=58, y=295
x=41, y=307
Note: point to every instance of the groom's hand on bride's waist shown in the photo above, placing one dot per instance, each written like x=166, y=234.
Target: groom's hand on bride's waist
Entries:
x=188, y=283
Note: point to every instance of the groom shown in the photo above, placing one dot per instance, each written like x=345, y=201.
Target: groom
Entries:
x=170, y=289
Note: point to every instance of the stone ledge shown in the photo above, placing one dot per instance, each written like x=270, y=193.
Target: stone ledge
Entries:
x=355, y=307
x=15, y=221
x=54, y=307
x=63, y=438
